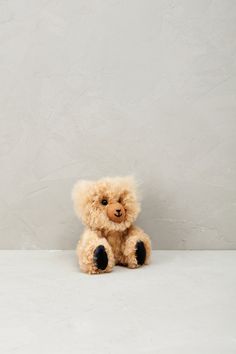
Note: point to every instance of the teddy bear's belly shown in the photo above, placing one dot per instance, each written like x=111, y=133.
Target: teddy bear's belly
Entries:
x=116, y=241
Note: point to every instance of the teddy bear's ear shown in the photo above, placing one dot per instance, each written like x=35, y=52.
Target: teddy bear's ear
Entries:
x=80, y=196
x=131, y=184
x=80, y=190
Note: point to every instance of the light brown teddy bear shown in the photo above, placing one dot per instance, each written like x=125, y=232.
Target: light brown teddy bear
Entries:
x=108, y=208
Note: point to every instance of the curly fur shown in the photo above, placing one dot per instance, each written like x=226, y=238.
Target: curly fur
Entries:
x=118, y=238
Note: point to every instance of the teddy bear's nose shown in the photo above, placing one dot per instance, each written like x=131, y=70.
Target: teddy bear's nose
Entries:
x=116, y=212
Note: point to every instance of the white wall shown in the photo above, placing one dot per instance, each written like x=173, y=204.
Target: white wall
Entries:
x=94, y=88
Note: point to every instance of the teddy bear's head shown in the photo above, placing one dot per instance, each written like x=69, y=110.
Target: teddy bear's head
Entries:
x=109, y=204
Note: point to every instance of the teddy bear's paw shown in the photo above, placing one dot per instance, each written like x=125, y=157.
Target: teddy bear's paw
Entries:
x=100, y=257
x=140, y=253
x=137, y=250
x=96, y=256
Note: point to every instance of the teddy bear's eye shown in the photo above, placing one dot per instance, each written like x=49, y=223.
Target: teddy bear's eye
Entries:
x=104, y=202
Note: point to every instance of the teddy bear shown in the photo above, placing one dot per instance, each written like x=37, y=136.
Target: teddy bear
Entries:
x=108, y=208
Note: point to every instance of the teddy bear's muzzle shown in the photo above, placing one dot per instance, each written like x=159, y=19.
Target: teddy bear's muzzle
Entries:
x=116, y=212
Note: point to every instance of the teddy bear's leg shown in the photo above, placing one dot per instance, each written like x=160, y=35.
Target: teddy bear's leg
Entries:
x=137, y=248
x=95, y=254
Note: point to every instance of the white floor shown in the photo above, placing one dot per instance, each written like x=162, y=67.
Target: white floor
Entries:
x=184, y=302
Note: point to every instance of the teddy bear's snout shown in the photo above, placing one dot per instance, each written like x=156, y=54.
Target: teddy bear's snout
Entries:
x=116, y=212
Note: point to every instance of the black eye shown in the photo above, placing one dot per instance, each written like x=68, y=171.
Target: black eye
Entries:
x=104, y=202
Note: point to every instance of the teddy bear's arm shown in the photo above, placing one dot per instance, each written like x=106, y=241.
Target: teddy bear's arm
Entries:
x=137, y=248
x=94, y=253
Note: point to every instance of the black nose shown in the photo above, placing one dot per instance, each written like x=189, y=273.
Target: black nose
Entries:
x=118, y=210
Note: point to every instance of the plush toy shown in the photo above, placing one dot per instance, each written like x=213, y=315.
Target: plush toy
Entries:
x=108, y=208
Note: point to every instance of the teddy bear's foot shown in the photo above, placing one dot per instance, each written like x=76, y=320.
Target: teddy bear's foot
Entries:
x=95, y=256
x=137, y=249
x=100, y=257
x=140, y=253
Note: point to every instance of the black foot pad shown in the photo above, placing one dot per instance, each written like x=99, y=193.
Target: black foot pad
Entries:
x=100, y=257
x=140, y=252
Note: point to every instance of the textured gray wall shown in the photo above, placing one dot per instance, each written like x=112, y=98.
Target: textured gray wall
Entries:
x=95, y=88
